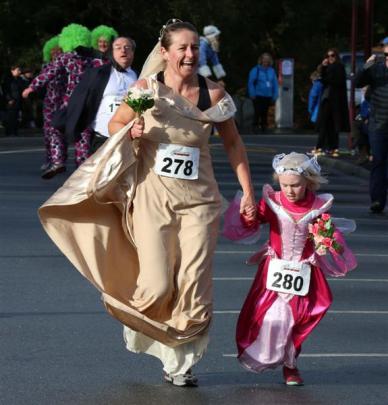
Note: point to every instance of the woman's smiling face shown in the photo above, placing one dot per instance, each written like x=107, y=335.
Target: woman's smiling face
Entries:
x=183, y=53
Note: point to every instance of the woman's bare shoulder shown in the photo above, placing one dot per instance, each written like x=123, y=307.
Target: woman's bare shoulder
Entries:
x=216, y=91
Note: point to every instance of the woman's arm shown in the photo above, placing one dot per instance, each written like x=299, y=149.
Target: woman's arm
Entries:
x=236, y=152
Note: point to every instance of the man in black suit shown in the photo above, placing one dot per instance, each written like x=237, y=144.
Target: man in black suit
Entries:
x=99, y=93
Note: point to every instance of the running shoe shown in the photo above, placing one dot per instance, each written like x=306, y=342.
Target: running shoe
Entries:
x=292, y=376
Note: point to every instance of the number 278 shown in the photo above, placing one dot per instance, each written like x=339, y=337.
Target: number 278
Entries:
x=187, y=166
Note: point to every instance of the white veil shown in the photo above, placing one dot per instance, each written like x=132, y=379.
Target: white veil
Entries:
x=154, y=62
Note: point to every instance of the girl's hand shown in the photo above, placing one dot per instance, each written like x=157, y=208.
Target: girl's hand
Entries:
x=248, y=207
x=137, y=128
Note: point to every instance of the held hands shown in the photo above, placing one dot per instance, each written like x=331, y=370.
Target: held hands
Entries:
x=248, y=208
x=137, y=128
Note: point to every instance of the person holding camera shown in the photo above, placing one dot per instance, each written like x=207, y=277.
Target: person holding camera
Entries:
x=375, y=74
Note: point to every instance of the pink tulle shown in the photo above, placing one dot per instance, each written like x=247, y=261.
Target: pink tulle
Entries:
x=235, y=228
x=336, y=264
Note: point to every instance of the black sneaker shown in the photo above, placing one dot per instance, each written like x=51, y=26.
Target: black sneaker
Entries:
x=52, y=171
x=376, y=207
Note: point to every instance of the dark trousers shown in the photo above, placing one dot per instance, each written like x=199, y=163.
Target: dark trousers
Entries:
x=378, y=175
x=261, y=105
x=328, y=137
x=96, y=141
x=11, y=121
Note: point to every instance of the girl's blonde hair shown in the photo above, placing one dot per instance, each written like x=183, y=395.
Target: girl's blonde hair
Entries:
x=299, y=164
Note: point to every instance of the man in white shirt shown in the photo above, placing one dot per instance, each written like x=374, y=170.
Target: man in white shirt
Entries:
x=100, y=92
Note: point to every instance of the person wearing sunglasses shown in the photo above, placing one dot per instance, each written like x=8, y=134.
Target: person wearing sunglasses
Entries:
x=333, y=115
x=375, y=75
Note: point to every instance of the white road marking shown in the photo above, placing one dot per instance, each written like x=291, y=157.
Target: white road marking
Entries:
x=29, y=150
x=329, y=355
x=12, y=152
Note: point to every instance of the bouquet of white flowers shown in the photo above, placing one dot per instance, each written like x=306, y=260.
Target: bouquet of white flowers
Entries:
x=139, y=100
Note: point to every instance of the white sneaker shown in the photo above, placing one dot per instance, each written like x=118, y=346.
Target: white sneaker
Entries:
x=182, y=380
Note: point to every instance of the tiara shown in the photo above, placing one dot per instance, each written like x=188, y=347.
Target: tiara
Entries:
x=310, y=164
x=171, y=21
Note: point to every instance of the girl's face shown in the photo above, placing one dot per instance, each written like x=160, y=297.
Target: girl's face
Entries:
x=183, y=53
x=293, y=186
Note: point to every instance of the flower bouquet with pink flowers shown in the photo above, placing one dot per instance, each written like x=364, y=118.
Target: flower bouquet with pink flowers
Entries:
x=321, y=232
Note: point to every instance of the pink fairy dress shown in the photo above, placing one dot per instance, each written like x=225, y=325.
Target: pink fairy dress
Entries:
x=273, y=325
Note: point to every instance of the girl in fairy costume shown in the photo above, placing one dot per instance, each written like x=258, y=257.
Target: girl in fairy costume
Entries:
x=289, y=295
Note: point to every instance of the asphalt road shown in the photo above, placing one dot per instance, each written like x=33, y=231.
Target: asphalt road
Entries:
x=58, y=346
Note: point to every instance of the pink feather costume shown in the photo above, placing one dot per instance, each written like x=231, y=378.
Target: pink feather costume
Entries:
x=272, y=326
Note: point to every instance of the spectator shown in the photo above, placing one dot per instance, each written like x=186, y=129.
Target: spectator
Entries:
x=263, y=89
x=27, y=105
x=314, y=100
x=333, y=116
x=12, y=91
x=375, y=75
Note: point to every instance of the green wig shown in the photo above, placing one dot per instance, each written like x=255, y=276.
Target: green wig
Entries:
x=72, y=36
x=48, y=46
x=108, y=33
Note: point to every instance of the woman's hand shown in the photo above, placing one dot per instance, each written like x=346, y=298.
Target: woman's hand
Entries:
x=248, y=207
x=137, y=128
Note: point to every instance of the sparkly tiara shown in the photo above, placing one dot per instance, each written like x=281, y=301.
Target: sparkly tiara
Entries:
x=296, y=163
x=169, y=22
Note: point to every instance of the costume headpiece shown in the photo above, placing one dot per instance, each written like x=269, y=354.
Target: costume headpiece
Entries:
x=103, y=31
x=211, y=31
x=296, y=163
x=169, y=22
x=72, y=36
x=155, y=62
x=48, y=46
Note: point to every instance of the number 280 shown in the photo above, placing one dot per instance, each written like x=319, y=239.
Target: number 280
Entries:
x=288, y=282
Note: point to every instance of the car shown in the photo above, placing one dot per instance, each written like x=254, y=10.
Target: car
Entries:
x=346, y=58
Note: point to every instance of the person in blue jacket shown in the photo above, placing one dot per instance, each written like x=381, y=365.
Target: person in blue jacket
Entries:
x=315, y=95
x=263, y=89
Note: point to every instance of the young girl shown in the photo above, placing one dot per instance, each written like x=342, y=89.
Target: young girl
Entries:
x=290, y=294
